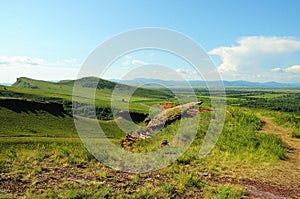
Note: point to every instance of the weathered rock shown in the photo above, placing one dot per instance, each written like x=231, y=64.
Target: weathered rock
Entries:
x=170, y=115
x=159, y=121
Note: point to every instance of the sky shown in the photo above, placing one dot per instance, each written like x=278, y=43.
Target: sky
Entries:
x=246, y=40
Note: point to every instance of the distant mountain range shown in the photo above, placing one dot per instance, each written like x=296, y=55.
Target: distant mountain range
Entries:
x=239, y=83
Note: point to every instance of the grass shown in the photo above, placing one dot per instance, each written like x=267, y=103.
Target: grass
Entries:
x=41, y=155
x=288, y=120
x=296, y=134
x=240, y=141
x=34, y=119
x=228, y=191
x=62, y=168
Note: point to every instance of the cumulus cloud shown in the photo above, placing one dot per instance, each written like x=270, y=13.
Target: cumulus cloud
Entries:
x=293, y=69
x=277, y=70
x=255, y=52
x=20, y=60
x=24, y=66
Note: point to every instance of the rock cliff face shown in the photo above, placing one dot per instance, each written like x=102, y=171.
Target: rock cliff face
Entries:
x=19, y=105
x=161, y=120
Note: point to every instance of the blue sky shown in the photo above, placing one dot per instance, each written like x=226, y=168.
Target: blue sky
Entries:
x=249, y=40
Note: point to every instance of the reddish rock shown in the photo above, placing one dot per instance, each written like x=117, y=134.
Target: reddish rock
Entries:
x=229, y=114
x=164, y=106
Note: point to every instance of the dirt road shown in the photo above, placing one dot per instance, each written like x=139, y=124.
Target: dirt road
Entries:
x=283, y=179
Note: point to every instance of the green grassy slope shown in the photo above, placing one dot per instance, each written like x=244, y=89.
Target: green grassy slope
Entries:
x=240, y=140
x=62, y=92
x=40, y=160
x=42, y=119
x=29, y=118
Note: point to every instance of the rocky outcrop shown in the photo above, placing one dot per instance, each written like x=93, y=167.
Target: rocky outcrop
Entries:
x=161, y=120
x=170, y=115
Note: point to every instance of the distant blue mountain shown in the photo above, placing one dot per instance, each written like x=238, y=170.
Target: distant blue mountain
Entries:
x=239, y=83
x=141, y=81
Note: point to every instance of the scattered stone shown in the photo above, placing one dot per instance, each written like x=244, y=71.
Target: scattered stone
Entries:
x=81, y=166
x=229, y=114
x=164, y=143
x=128, y=142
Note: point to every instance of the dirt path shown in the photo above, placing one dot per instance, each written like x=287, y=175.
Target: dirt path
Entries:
x=284, y=176
x=293, y=144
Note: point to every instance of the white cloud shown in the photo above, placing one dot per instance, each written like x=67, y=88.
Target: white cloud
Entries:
x=72, y=61
x=277, y=70
x=23, y=66
x=256, y=58
x=255, y=52
x=291, y=73
x=138, y=62
x=181, y=71
x=293, y=69
x=20, y=60
x=129, y=61
x=193, y=74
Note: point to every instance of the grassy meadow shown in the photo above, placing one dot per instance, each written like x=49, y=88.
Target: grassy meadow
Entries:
x=42, y=155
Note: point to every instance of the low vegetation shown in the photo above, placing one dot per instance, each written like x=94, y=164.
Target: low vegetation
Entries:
x=296, y=134
x=42, y=156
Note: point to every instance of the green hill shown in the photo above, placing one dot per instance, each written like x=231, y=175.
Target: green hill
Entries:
x=66, y=86
x=61, y=92
x=40, y=108
x=88, y=82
